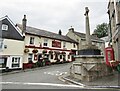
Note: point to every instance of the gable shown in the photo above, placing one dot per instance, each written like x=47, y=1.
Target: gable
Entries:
x=11, y=32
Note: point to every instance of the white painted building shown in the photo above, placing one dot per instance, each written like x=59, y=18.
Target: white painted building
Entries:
x=42, y=45
x=11, y=45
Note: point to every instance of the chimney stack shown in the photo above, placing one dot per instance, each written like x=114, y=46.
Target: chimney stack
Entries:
x=60, y=32
x=71, y=29
x=24, y=22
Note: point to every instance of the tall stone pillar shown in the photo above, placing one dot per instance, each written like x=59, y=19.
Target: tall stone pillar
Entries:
x=88, y=37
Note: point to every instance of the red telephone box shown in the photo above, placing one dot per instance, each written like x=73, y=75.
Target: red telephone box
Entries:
x=109, y=52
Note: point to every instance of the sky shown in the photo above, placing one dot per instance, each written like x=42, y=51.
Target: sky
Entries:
x=55, y=15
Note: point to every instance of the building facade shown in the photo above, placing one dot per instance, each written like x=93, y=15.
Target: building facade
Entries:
x=80, y=38
x=44, y=47
x=11, y=45
x=114, y=29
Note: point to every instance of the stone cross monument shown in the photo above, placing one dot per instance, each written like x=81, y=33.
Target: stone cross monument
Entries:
x=89, y=63
x=88, y=37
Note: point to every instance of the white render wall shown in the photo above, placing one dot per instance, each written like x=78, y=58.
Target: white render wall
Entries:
x=14, y=47
x=40, y=40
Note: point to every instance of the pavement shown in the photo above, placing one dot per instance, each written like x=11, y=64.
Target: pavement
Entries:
x=111, y=81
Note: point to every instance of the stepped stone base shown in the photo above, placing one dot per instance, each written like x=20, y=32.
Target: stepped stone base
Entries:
x=90, y=67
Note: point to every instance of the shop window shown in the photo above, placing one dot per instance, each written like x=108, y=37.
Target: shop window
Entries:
x=31, y=40
x=4, y=27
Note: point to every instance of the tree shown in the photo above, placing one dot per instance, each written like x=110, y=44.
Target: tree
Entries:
x=101, y=30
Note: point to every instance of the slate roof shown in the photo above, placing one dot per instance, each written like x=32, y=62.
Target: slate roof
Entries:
x=82, y=35
x=12, y=32
x=45, y=33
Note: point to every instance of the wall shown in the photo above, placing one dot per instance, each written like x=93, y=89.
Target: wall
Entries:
x=82, y=41
x=40, y=40
x=14, y=47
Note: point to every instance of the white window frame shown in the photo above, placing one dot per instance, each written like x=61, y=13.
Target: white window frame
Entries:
x=32, y=39
x=45, y=41
x=4, y=27
x=30, y=56
x=16, y=60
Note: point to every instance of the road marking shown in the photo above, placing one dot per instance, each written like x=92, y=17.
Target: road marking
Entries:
x=43, y=84
x=56, y=73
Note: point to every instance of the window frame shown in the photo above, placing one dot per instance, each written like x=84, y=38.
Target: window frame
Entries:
x=16, y=62
x=30, y=56
x=5, y=27
x=45, y=44
x=32, y=39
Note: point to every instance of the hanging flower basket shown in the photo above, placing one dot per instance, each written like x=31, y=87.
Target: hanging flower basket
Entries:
x=26, y=50
x=63, y=52
x=50, y=52
x=44, y=51
x=35, y=51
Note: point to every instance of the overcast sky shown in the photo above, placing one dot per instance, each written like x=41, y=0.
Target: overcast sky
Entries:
x=53, y=15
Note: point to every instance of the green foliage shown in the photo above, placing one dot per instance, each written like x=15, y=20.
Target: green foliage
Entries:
x=101, y=30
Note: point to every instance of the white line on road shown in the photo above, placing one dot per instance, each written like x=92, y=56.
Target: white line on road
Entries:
x=43, y=84
x=56, y=73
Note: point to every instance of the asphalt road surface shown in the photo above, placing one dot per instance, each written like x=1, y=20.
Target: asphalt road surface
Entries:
x=42, y=78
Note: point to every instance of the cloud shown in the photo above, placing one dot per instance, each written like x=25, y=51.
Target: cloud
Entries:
x=53, y=15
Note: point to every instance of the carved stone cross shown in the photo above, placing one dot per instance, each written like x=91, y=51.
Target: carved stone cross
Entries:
x=87, y=11
x=88, y=37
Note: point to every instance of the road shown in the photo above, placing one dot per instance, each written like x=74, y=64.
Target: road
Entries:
x=42, y=78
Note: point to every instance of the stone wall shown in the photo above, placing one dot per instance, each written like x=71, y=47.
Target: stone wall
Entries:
x=90, y=68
